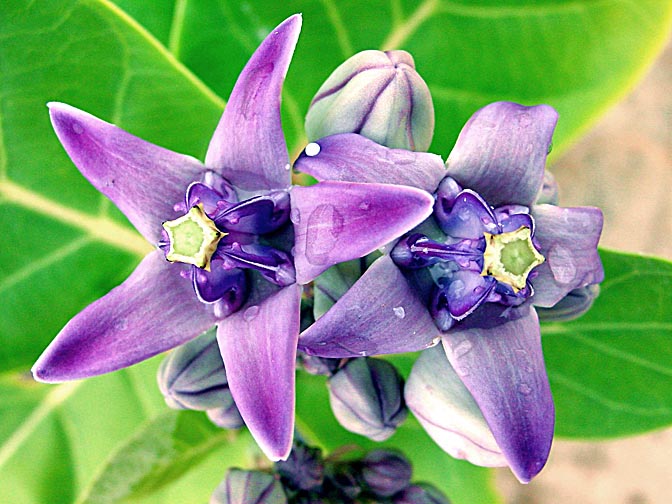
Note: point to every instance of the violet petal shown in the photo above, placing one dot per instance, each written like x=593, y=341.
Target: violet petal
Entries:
x=350, y=157
x=568, y=240
x=248, y=147
x=380, y=314
x=338, y=221
x=469, y=217
x=154, y=310
x=445, y=408
x=142, y=179
x=501, y=152
x=503, y=368
x=258, y=215
x=258, y=345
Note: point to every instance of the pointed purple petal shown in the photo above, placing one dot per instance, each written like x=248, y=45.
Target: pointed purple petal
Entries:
x=339, y=221
x=154, y=310
x=380, y=314
x=501, y=152
x=258, y=215
x=248, y=147
x=445, y=408
x=142, y=179
x=503, y=368
x=568, y=240
x=353, y=158
x=258, y=346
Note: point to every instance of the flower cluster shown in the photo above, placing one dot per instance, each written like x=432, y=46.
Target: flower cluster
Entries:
x=476, y=250
x=380, y=476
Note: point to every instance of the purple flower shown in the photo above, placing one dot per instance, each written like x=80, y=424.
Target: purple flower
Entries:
x=471, y=276
x=232, y=237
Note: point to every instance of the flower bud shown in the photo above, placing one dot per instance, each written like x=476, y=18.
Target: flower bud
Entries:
x=378, y=95
x=193, y=377
x=249, y=487
x=303, y=469
x=386, y=472
x=227, y=417
x=343, y=479
x=366, y=397
x=422, y=493
x=572, y=306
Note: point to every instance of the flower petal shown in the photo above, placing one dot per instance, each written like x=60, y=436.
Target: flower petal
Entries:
x=503, y=368
x=258, y=345
x=338, y=221
x=568, y=240
x=248, y=147
x=445, y=408
x=380, y=314
x=353, y=158
x=144, y=180
x=501, y=152
x=154, y=310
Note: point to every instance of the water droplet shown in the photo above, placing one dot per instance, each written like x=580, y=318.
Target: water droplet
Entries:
x=562, y=264
x=524, y=120
x=77, y=128
x=295, y=215
x=399, y=312
x=461, y=349
x=250, y=313
x=462, y=370
x=287, y=167
x=524, y=389
x=312, y=149
x=121, y=324
x=233, y=219
x=362, y=353
x=364, y=205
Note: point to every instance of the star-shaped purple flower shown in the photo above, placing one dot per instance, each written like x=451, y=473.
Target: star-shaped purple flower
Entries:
x=471, y=275
x=234, y=242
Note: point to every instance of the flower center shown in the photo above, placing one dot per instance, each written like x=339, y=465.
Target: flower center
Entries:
x=193, y=238
x=510, y=257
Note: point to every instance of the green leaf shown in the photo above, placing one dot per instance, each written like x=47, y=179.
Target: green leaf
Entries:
x=69, y=245
x=461, y=481
x=611, y=370
x=579, y=56
x=53, y=439
x=161, y=452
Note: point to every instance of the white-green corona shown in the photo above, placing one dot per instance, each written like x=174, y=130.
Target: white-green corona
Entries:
x=509, y=257
x=193, y=238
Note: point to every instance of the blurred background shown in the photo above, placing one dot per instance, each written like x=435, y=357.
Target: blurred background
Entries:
x=624, y=166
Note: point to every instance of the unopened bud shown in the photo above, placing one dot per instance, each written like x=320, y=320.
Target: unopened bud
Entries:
x=249, y=487
x=378, y=95
x=572, y=306
x=303, y=469
x=193, y=377
x=422, y=493
x=367, y=398
x=386, y=472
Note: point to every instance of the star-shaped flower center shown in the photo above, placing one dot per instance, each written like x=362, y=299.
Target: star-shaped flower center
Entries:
x=509, y=257
x=193, y=238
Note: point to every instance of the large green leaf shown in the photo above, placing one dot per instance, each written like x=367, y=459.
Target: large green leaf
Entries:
x=54, y=439
x=462, y=482
x=611, y=370
x=576, y=55
x=64, y=244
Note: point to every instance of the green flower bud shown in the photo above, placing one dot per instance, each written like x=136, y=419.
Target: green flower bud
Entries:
x=378, y=95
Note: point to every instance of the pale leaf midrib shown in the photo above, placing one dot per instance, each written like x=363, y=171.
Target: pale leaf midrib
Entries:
x=55, y=398
x=100, y=228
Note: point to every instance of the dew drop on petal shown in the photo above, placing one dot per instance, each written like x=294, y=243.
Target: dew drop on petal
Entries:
x=295, y=215
x=362, y=353
x=121, y=324
x=364, y=205
x=312, y=149
x=399, y=312
x=524, y=389
x=287, y=167
x=250, y=313
x=77, y=128
x=461, y=349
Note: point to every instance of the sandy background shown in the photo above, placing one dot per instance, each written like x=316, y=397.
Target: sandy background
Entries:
x=624, y=166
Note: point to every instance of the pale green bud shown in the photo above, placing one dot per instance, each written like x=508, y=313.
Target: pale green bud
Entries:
x=378, y=95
